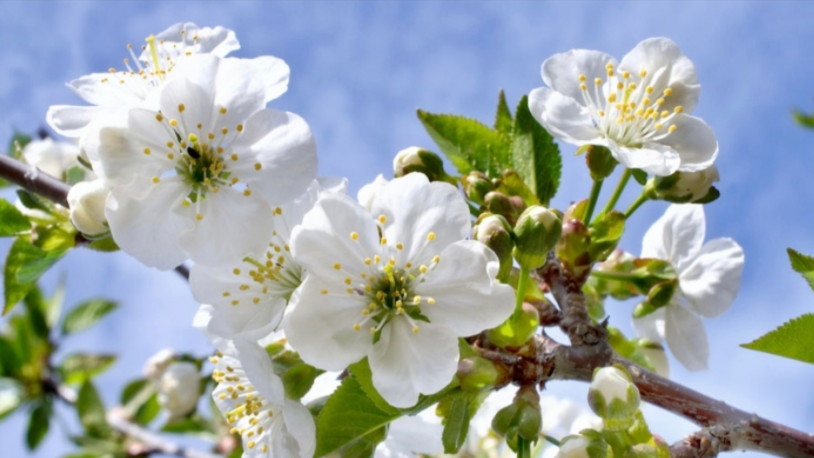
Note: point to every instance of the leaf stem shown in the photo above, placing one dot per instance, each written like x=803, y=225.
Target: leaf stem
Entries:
x=636, y=204
x=595, y=189
x=616, y=193
x=521, y=291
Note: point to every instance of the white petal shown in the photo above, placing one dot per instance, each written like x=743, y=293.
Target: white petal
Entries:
x=218, y=40
x=105, y=89
x=300, y=424
x=695, y=142
x=70, y=120
x=233, y=226
x=414, y=208
x=651, y=326
x=654, y=158
x=202, y=320
x=324, y=238
x=146, y=220
x=563, y=117
x=246, y=320
x=410, y=435
x=467, y=297
x=240, y=88
x=367, y=193
x=686, y=337
x=197, y=101
x=320, y=326
x=260, y=371
x=561, y=71
x=676, y=236
x=655, y=53
x=283, y=145
x=275, y=73
x=711, y=280
x=405, y=363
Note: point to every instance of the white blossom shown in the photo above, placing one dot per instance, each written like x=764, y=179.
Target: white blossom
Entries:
x=177, y=389
x=401, y=298
x=638, y=108
x=52, y=157
x=87, y=200
x=247, y=299
x=367, y=194
x=409, y=436
x=251, y=397
x=196, y=178
x=709, y=276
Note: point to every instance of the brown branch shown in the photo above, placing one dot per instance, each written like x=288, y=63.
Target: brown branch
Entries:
x=152, y=442
x=49, y=187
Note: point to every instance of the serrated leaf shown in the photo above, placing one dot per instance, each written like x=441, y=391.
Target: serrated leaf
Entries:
x=365, y=446
x=9, y=360
x=77, y=368
x=347, y=416
x=20, y=254
x=12, y=221
x=503, y=117
x=605, y=235
x=38, y=423
x=802, y=264
x=91, y=411
x=456, y=425
x=535, y=155
x=35, y=311
x=467, y=143
x=794, y=339
x=363, y=375
x=86, y=314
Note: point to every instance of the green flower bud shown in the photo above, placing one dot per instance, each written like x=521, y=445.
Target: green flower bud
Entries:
x=522, y=417
x=686, y=187
x=496, y=233
x=517, y=330
x=614, y=397
x=501, y=204
x=476, y=373
x=536, y=233
x=298, y=380
x=581, y=446
x=642, y=451
x=600, y=162
x=415, y=159
x=573, y=249
x=476, y=185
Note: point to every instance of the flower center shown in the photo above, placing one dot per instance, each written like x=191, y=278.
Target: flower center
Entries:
x=627, y=111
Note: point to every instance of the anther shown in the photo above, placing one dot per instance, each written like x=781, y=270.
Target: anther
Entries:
x=643, y=73
x=431, y=236
x=337, y=266
x=198, y=216
x=678, y=109
x=156, y=179
x=159, y=117
x=147, y=151
x=247, y=192
x=582, y=77
x=354, y=236
x=181, y=107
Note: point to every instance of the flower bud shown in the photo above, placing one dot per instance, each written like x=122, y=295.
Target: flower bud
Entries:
x=496, y=233
x=87, y=202
x=517, y=330
x=614, y=397
x=522, y=417
x=476, y=185
x=686, y=187
x=178, y=389
x=476, y=373
x=573, y=249
x=415, y=159
x=643, y=451
x=536, y=232
x=582, y=446
x=155, y=366
x=500, y=204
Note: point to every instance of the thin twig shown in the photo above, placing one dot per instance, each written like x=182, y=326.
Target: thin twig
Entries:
x=152, y=442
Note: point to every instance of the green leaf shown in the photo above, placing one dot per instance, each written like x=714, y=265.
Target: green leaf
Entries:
x=605, y=235
x=12, y=221
x=35, y=308
x=456, y=425
x=803, y=119
x=640, y=176
x=38, y=424
x=10, y=396
x=91, y=411
x=53, y=307
x=503, y=117
x=32, y=201
x=467, y=143
x=512, y=184
x=86, y=314
x=77, y=368
x=140, y=401
x=193, y=426
x=365, y=446
x=349, y=415
x=21, y=254
x=10, y=363
x=32, y=271
x=794, y=339
x=535, y=155
x=803, y=265
x=105, y=245
x=75, y=174
x=364, y=376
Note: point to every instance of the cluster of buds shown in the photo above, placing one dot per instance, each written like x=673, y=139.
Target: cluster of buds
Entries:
x=520, y=419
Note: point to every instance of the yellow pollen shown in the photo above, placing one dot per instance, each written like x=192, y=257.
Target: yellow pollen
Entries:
x=354, y=236
x=222, y=110
x=658, y=126
x=430, y=301
x=348, y=280
x=601, y=113
x=672, y=128
x=665, y=113
x=646, y=101
x=156, y=179
x=240, y=127
x=632, y=86
x=365, y=312
x=423, y=269
x=431, y=236
x=372, y=330
x=415, y=329
x=278, y=211
x=220, y=150
x=181, y=108
x=250, y=445
x=612, y=98
x=226, y=294
x=582, y=78
x=659, y=101
x=200, y=125
x=256, y=300
x=609, y=66
x=667, y=92
x=146, y=150
x=357, y=326
x=643, y=73
x=159, y=117
x=173, y=122
x=626, y=74
x=436, y=259
x=265, y=448
x=384, y=240
x=408, y=265
x=337, y=266
x=192, y=138
x=235, y=180
x=367, y=261
x=416, y=300
x=198, y=216
x=399, y=246
x=376, y=259
x=233, y=156
x=170, y=144
x=392, y=261
x=610, y=71
x=247, y=192
x=678, y=109
x=186, y=203
x=210, y=136
x=324, y=291
x=382, y=219
x=598, y=81
x=649, y=89
x=583, y=87
x=224, y=131
x=258, y=166
x=620, y=85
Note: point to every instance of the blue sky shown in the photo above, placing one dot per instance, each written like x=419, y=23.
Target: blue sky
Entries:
x=359, y=71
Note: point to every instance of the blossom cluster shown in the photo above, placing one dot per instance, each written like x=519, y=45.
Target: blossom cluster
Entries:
x=190, y=165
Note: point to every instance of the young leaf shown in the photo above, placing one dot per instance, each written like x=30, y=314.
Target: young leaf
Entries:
x=140, y=401
x=194, y=426
x=32, y=201
x=86, y=314
x=467, y=143
x=794, y=339
x=38, y=424
x=456, y=426
x=361, y=372
x=534, y=154
x=21, y=254
x=32, y=271
x=503, y=117
x=640, y=176
x=802, y=264
x=91, y=411
x=512, y=185
x=349, y=415
x=10, y=364
x=77, y=368
x=12, y=221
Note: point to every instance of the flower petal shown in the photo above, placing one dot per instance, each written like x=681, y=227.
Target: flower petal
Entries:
x=283, y=145
x=294, y=211
x=218, y=40
x=367, y=193
x=711, y=280
x=203, y=320
x=324, y=239
x=680, y=75
x=695, y=142
x=275, y=73
x=651, y=326
x=677, y=236
x=467, y=297
x=320, y=326
x=686, y=337
x=105, y=89
x=232, y=227
x=564, y=117
x=300, y=425
x=197, y=102
x=405, y=363
x=70, y=121
x=260, y=370
x=414, y=208
x=561, y=71
x=408, y=436
x=146, y=220
x=653, y=158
